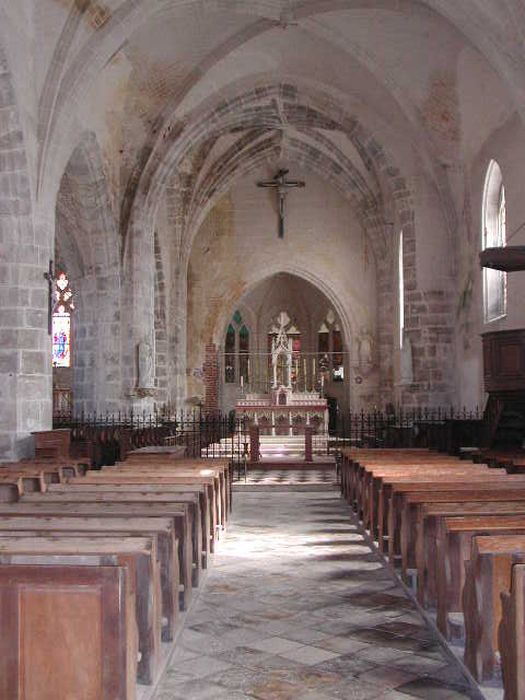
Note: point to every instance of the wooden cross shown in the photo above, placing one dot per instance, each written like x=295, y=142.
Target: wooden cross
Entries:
x=281, y=184
x=50, y=277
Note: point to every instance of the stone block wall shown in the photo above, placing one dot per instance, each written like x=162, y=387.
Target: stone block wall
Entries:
x=25, y=347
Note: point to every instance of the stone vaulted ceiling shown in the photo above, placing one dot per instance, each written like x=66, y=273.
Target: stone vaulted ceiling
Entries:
x=191, y=94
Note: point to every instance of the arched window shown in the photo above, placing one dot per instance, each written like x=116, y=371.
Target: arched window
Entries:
x=237, y=351
x=494, y=236
x=61, y=329
x=229, y=356
x=330, y=348
x=244, y=352
x=401, y=289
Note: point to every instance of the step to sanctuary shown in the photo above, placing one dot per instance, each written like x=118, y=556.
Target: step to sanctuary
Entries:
x=293, y=463
x=272, y=448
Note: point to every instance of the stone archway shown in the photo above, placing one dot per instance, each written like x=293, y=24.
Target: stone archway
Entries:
x=308, y=301
x=86, y=242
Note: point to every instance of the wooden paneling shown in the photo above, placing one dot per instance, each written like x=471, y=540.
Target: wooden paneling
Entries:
x=504, y=361
x=55, y=619
x=66, y=628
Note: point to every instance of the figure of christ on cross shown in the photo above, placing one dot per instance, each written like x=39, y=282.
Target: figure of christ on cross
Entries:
x=281, y=184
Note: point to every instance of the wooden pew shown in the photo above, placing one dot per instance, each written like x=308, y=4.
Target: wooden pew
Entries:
x=224, y=467
x=157, y=469
x=11, y=489
x=161, y=529
x=367, y=477
x=199, y=493
x=385, y=484
x=138, y=554
x=426, y=529
x=512, y=636
x=176, y=512
x=355, y=463
x=187, y=501
x=488, y=574
x=65, y=628
x=179, y=480
x=454, y=541
x=402, y=515
x=27, y=482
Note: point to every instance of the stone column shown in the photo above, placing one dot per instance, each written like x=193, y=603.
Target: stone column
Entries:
x=25, y=250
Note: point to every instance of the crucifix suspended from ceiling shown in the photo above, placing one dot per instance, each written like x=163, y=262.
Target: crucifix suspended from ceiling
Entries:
x=282, y=185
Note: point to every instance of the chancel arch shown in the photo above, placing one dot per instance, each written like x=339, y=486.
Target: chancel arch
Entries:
x=304, y=307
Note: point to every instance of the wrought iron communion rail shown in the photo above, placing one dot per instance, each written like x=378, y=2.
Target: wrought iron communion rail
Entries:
x=106, y=438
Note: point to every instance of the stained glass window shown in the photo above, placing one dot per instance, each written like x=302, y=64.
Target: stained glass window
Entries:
x=330, y=349
x=61, y=340
x=237, y=317
x=323, y=344
x=237, y=352
x=229, y=356
x=244, y=349
x=61, y=331
x=338, y=370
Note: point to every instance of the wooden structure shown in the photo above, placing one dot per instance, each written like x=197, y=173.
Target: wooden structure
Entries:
x=507, y=259
x=95, y=566
x=457, y=531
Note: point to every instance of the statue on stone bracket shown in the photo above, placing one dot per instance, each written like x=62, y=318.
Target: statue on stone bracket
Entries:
x=146, y=365
x=282, y=345
x=366, y=344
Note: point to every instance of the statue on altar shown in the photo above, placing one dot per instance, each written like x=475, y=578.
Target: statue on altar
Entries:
x=282, y=352
x=285, y=410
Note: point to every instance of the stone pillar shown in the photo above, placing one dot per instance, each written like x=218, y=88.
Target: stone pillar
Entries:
x=25, y=250
x=211, y=379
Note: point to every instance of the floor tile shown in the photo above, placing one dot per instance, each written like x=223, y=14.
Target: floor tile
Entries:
x=296, y=606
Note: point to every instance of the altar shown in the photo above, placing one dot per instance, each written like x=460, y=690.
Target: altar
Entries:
x=284, y=410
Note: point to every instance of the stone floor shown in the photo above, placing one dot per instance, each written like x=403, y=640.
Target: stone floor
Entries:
x=297, y=606
x=289, y=476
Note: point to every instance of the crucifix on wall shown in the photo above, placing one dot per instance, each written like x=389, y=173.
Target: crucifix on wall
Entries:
x=282, y=185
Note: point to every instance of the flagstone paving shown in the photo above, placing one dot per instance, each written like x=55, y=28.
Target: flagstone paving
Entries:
x=298, y=606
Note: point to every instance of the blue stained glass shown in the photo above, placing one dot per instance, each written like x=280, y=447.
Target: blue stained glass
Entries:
x=61, y=340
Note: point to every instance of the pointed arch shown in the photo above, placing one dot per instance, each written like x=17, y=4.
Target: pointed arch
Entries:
x=86, y=240
x=493, y=235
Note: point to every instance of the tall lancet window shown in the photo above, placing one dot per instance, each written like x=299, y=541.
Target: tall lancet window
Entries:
x=401, y=289
x=330, y=348
x=244, y=352
x=229, y=356
x=61, y=330
x=494, y=235
x=237, y=351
